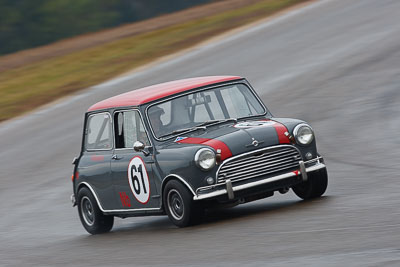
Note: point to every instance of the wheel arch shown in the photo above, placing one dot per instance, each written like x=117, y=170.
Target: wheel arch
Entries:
x=174, y=177
x=85, y=184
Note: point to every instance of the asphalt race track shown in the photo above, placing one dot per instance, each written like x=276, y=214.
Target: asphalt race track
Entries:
x=335, y=64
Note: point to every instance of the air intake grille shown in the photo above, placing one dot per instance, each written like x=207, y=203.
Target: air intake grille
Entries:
x=260, y=163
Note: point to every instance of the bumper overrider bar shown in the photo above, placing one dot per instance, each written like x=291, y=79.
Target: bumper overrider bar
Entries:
x=229, y=189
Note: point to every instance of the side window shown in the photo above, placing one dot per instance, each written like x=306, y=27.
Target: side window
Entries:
x=129, y=129
x=98, y=132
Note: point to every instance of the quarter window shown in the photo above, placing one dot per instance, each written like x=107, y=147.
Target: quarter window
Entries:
x=98, y=132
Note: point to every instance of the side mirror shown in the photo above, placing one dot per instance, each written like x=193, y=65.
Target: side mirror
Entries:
x=138, y=146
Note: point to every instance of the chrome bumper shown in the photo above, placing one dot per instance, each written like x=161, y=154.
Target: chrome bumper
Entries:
x=230, y=188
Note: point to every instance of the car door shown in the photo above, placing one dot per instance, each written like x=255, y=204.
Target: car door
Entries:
x=132, y=171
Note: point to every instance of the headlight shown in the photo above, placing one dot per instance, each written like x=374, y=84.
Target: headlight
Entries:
x=205, y=159
x=304, y=134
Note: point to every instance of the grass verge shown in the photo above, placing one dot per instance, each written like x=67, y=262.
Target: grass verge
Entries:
x=25, y=88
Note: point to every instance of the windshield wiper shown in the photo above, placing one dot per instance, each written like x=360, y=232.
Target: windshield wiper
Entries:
x=251, y=117
x=213, y=122
x=183, y=130
x=198, y=127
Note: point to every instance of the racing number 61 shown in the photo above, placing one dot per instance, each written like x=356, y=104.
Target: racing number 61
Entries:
x=138, y=180
x=135, y=179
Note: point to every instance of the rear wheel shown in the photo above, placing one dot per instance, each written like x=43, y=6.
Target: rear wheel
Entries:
x=178, y=202
x=94, y=221
x=314, y=187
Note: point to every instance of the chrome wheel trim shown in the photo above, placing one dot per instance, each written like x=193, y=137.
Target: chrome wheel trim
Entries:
x=87, y=211
x=175, y=204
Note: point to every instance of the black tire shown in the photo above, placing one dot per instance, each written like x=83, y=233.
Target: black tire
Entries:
x=92, y=219
x=314, y=187
x=178, y=202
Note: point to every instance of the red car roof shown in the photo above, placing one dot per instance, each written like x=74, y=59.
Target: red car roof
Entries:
x=157, y=91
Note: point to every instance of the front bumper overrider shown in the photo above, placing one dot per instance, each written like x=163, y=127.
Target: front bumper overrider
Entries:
x=229, y=188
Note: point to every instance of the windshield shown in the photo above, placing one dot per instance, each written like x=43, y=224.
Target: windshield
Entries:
x=228, y=102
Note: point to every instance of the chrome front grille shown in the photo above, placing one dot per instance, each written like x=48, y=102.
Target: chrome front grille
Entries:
x=259, y=163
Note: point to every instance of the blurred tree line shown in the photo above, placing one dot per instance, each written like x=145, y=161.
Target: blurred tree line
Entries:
x=30, y=23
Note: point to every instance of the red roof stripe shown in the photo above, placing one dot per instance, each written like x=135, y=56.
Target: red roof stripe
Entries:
x=154, y=92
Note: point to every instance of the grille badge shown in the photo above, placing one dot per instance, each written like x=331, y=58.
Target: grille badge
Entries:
x=254, y=143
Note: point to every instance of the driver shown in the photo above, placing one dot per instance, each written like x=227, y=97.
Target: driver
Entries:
x=155, y=119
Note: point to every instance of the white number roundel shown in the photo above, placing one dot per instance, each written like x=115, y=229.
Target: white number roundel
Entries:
x=139, y=180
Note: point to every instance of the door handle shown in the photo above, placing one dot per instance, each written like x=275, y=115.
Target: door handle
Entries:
x=116, y=157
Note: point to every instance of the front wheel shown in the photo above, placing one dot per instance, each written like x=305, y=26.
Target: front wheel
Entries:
x=94, y=221
x=182, y=210
x=314, y=187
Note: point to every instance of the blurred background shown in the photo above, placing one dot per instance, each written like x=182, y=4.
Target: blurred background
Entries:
x=49, y=49
x=26, y=24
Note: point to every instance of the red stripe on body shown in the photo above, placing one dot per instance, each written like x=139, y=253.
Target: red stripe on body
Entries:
x=216, y=144
x=97, y=158
x=75, y=176
x=281, y=130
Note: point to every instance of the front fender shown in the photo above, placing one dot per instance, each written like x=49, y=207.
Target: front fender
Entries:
x=177, y=161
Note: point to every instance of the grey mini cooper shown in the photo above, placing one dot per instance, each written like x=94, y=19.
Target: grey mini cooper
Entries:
x=181, y=147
